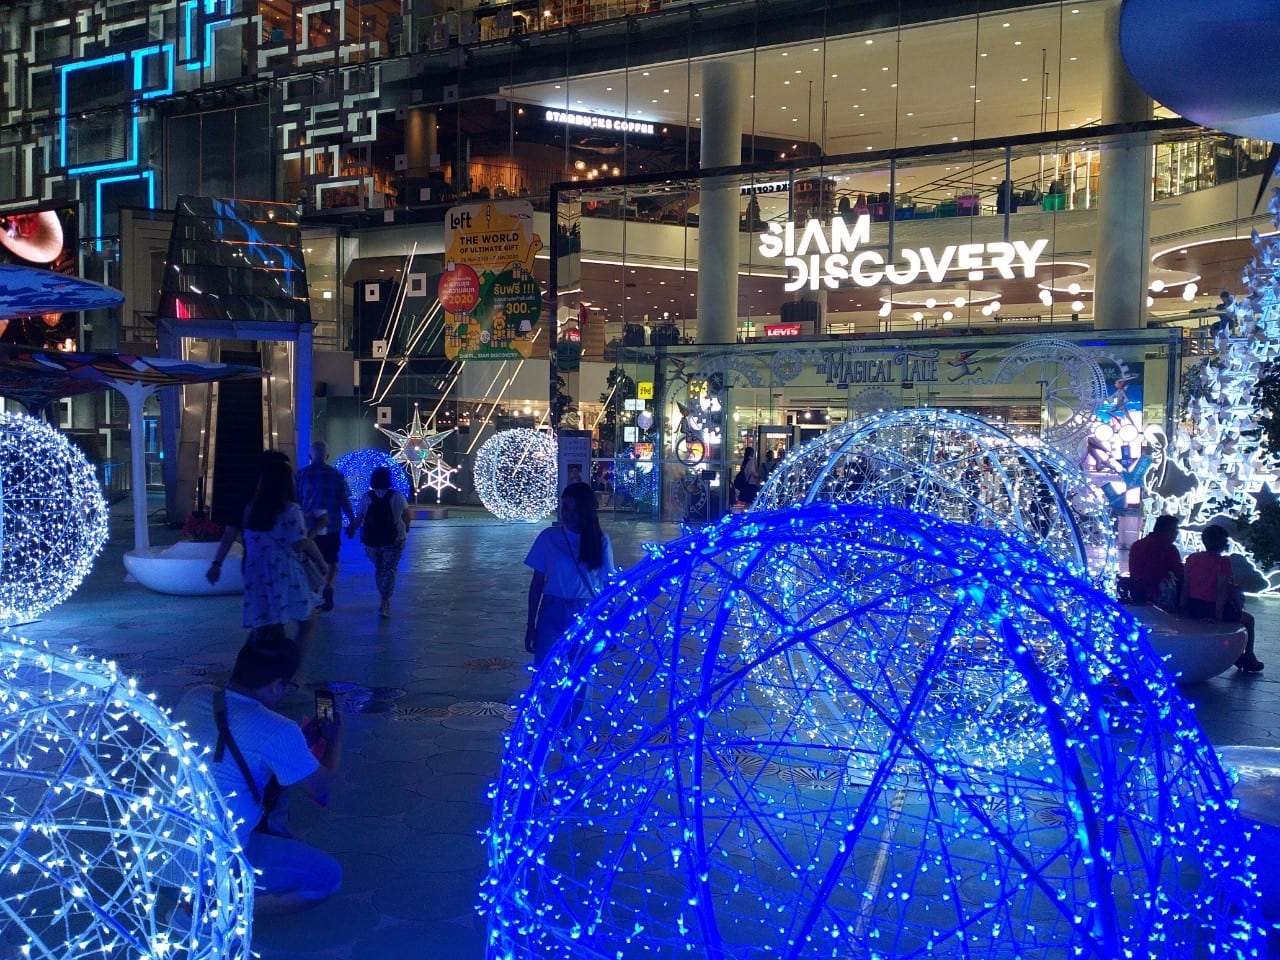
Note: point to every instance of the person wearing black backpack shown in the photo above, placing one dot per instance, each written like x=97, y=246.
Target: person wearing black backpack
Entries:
x=383, y=521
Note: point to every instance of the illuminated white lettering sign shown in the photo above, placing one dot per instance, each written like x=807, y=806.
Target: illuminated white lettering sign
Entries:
x=594, y=122
x=819, y=255
x=774, y=186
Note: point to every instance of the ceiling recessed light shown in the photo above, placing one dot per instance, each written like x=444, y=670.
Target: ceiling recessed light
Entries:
x=870, y=42
x=784, y=53
x=884, y=69
x=1017, y=43
x=645, y=74
x=817, y=49
x=909, y=114
x=653, y=101
x=608, y=89
x=797, y=71
x=557, y=86
x=698, y=95
x=1004, y=24
x=786, y=83
x=835, y=76
x=1025, y=79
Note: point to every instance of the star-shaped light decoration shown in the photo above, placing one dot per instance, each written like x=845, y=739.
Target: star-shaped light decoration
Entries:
x=417, y=447
x=436, y=477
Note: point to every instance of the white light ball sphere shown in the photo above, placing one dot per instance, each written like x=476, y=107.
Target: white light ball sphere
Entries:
x=54, y=521
x=962, y=467
x=114, y=839
x=515, y=475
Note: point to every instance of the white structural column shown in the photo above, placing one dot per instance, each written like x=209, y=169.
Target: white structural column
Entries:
x=1124, y=212
x=724, y=99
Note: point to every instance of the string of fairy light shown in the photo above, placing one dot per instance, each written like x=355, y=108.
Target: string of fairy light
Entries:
x=114, y=839
x=953, y=772
x=54, y=517
x=515, y=475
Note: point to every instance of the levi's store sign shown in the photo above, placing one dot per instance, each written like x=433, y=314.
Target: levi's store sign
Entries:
x=824, y=255
x=782, y=330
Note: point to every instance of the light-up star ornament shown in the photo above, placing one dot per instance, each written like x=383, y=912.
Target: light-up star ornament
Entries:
x=436, y=477
x=418, y=448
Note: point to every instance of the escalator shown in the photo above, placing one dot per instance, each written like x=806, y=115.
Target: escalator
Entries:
x=238, y=446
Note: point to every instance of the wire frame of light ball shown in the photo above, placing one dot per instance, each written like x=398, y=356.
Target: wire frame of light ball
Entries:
x=963, y=778
x=515, y=475
x=358, y=466
x=960, y=467
x=54, y=517
x=110, y=820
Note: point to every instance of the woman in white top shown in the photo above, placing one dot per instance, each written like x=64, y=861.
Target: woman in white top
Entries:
x=570, y=563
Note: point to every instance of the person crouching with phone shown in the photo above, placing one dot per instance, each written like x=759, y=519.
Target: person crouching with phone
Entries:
x=255, y=752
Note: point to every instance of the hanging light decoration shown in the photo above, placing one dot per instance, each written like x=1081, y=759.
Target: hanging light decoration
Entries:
x=54, y=517
x=852, y=730
x=114, y=839
x=515, y=475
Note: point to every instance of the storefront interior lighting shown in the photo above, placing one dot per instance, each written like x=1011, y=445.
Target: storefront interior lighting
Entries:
x=1077, y=306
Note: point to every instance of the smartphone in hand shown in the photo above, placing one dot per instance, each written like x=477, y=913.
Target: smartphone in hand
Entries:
x=324, y=706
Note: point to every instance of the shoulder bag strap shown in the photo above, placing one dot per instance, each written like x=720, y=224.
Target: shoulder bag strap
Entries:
x=576, y=565
x=228, y=742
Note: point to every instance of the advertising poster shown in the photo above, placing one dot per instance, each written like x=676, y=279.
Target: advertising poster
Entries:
x=574, y=455
x=492, y=301
x=45, y=239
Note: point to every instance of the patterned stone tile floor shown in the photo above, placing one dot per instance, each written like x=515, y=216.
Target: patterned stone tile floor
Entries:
x=428, y=697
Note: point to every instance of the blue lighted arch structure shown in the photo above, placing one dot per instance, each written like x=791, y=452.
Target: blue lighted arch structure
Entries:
x=952, y=774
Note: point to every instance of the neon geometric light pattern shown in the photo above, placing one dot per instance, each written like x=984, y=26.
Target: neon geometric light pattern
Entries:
x=515, y=475
x=108, y=820
x=953, y=775
x=959, y=467
x=54, y=521
x=358, y=466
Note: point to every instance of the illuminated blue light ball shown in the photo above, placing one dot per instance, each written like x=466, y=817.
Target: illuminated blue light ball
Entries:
x=54, y=517
x=358, y=466
x=961, y=467
x=114, y=839
x=857, y=731
x=636, y=481
x=515, y=475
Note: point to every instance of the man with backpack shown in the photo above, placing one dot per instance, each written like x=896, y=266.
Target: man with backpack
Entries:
x=383, y=521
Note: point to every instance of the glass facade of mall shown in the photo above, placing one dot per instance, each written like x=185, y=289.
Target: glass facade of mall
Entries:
x=962, y=153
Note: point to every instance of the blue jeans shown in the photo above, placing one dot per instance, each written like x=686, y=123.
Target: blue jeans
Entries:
x=290, y=866
x=555, y=616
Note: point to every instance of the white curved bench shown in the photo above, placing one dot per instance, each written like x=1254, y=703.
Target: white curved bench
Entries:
x=1192, y=650
x=180, y=569
x=1257, y=788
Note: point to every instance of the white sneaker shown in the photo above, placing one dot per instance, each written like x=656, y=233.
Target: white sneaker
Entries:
x=384, y=611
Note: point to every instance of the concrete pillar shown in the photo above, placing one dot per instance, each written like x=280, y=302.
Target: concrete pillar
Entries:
x=724, y=99
x=1124, y=197
x=420, y=142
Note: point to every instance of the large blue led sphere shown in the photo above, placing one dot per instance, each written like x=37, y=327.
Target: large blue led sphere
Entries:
x=961, y=467
x=114, y=839
x=358, y=466
x=858, y=731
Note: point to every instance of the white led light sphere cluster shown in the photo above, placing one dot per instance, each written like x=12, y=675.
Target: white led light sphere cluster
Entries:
x=656, y=799
x=54, y=521
x=515, y=475
x=114, y=840
x=959, y=467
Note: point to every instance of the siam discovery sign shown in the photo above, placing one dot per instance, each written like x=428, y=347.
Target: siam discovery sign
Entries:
x=819, y=255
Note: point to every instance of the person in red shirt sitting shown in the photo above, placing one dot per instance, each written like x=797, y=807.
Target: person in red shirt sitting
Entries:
x=1153, y=560
x=1209, y=593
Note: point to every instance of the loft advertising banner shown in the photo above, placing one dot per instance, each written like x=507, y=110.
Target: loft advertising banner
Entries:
x=491, y=300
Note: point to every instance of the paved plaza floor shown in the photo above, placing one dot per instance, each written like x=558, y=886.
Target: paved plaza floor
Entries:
x=428, y=696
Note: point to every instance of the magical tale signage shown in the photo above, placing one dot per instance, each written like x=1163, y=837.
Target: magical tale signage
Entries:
x=825, y=255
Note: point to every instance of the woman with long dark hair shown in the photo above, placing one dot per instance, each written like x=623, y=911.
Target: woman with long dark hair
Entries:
x=276, y=587
x=570, y=563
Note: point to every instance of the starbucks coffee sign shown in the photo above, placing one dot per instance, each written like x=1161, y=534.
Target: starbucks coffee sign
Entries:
x=821, y=255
